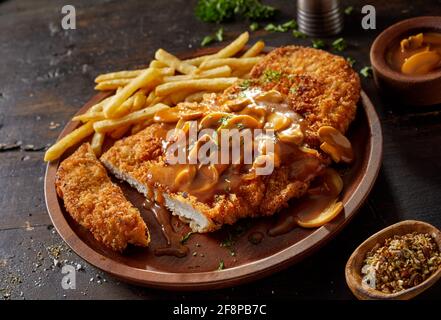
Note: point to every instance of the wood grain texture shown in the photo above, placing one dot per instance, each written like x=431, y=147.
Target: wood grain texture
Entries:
x=47, y=74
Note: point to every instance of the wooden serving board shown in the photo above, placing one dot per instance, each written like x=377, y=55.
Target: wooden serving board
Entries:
x=243, y=260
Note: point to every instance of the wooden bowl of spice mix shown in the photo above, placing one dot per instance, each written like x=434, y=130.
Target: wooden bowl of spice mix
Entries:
x=397, y=263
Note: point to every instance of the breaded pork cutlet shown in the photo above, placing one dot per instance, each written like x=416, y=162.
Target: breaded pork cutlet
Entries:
x=300, y=76
x=97, y=204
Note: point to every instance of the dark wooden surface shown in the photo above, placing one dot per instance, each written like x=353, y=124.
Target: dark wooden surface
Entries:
x=47, y=73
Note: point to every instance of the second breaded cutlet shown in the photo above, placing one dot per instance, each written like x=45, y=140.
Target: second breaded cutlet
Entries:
x=322, y=87
x=302, y=75
x=98, y=204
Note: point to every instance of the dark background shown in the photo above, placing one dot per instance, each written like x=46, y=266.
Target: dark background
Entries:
x=46, y=75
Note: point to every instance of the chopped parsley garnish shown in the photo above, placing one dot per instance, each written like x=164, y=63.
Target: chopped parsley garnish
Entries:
x=351, y=61
x=274, y=28
x=254, y=26
x=289, y=25
x=293, y=90
x=271, y=75
x=339, y=44
x=223, y=121
x=298, y=34
x=318, y=44
x=366, y=71
x=223, y=10
x=221, y=265
x=218, y=36
x=207, y=40
x=186, y=237
x=348, y=10
x=245, y=84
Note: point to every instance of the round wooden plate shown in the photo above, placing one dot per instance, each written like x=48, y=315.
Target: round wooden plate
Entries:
x=243, y=260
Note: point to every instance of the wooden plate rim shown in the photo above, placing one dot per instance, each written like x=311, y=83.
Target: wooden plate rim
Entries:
x=234, y=275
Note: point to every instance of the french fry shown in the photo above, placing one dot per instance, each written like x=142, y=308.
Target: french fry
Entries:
x=68, y=141
x=134, y=117
x=89, y=116
x=157, y=64
x=97, y=143
x=254, y=50
x=139, y=101
x=230, y=50
x=216, y=84
x=112, y=84
x=150, y=98
x=147, y=77
x=198, y=60
x=173, y=62
x=118, y=75
x=235, y=63
x=195, y=97
x=223, y=71
x=178, y=96
x=124, y=108
x=99, y=106
x=120, y=132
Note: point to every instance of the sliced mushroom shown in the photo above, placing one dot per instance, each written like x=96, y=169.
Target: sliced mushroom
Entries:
x=237, y=105
x=336, y=145
x=185, y=177
x=214, y=120
x=331, y=184
x=271, y=96
x=421, y=63
x=241, y=122
x=257, y=112
x=206, y=178
x=292, y=135
x=277, y=121
x=412, y=42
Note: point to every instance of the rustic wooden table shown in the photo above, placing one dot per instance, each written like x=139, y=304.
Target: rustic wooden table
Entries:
x=47, y=74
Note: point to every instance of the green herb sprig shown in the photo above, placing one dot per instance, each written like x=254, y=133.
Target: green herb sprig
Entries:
x=224, y=10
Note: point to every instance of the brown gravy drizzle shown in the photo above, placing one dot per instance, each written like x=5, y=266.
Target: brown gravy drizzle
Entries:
x=174, y=246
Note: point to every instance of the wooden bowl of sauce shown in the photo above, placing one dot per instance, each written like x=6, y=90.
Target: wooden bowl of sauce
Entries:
x=406, y=61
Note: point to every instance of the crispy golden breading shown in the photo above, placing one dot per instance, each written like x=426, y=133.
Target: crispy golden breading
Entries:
x=322, y=87
x=97, y=204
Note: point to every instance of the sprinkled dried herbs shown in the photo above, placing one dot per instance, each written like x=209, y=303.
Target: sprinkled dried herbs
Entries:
x=401, y=262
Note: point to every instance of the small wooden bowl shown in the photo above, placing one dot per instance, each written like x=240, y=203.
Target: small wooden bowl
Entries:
x=407, y=89
x=355, y=262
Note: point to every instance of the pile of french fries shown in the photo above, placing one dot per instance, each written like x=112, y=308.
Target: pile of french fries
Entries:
x=139, y=94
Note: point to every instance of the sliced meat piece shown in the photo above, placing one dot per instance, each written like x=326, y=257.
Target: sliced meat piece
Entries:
x=97, y=204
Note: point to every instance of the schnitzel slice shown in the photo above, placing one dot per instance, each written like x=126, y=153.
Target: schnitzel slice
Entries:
x=97, y=204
